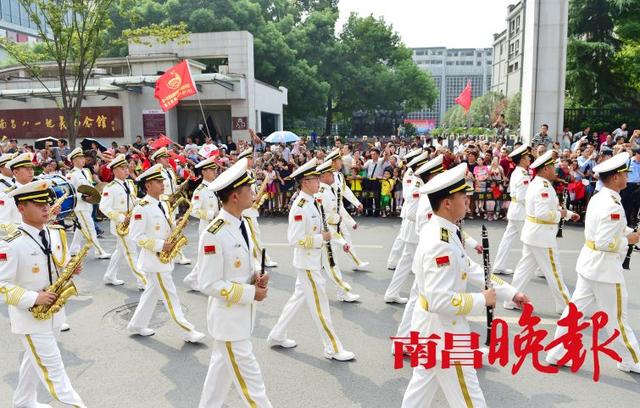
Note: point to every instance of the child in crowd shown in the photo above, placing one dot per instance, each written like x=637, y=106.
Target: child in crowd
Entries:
x=386, y=188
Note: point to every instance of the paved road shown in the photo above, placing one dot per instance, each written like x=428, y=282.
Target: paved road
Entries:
x=111, y=369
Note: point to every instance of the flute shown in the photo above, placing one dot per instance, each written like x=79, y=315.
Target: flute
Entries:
x=487, y=278
x=627, y=259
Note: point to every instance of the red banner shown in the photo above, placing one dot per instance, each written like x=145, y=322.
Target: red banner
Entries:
x=175, y=84
x=464, y=99
x=98, y=122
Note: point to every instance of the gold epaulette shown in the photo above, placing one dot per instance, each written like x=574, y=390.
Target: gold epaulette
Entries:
x=302, y=202
x=111, y=184
x=216, y=226
x=444, y=235
x=143, y=203
x=200, y=187
x=15, y=234
x=546, y=184
x=55, y=226
x=10, y=189
x=321, y=189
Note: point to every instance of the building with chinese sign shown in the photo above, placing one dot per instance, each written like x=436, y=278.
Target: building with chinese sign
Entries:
x=120, y=103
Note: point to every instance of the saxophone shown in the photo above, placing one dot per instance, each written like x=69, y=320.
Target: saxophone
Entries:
x=55, y=206
x=123, y=228
x=63, y=287
x=177, y=238
x=261, y=196
x=177, y=196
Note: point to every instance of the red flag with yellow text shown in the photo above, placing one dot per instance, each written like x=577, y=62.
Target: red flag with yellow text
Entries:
x=464, y=99
x=175, y=84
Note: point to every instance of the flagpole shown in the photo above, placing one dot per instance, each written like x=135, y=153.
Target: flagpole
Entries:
x=199, y=101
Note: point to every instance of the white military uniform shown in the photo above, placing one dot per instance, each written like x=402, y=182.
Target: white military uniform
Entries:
x=601, y=284
x=408, y=236
x=518, y=184
x=304, y=234
x=205, y=207
x=347, y=223
x=251, y=215
x=226, y=276
x=539, y=243
x=117, y=201
x=150, y=226
x=5, y=182
x=24, y=272
x=10, y=217
x=398, y=243
x=83, y=210
x=328, y=200
x=443, y=270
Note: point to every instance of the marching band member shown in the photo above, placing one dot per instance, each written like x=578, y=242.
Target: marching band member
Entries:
x=30, y=260
x=518, y=184
x=6, y=177
x=424, y=213
x=205, y=207
x=328, y=200
x=346, y=223
x=398, y=243
x=117, y=201
x=407, y=232
x=307, y=237
x=21, y=166
x=601, y=284
x=79, y=176
x=170, y=180
x=151, y=225
x=443, y=270
x=251, y=214
x=539, y=243
x=227, y=275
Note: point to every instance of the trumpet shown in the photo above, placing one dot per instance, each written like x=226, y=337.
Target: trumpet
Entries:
x=63, y=287
x=177, y=238
x=123, y=228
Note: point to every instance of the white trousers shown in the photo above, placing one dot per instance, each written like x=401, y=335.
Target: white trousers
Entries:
x=346, y=234
x=334, y=273
x=549, y=263
x=396, y=252
x=405, y=324
x=310, y=288
x=191, y=279
x=89, y=228
x=42, y=363
x=511, y=235
x=233, y=362
x=403, y=270
x=159, y=286
x=459, y=384
x=611, y=298
x=125, y=250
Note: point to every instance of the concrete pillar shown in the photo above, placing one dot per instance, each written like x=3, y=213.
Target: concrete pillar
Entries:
x=544, y=67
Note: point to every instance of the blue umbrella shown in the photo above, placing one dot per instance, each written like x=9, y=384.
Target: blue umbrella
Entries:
x=282, y=136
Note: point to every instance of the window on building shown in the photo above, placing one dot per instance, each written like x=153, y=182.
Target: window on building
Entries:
x=420, y=52
x=15, y=11
x=449, y=62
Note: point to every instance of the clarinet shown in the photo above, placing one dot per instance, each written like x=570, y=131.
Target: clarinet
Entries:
x=264, y=256
x=339, y=203
x=627, y=258
x=564, y=205
x=325, y=228
x=487, y=278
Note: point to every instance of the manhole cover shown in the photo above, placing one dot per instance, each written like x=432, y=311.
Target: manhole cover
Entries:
x=119, y=317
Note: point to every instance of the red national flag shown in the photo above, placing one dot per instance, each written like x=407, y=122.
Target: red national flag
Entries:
x=3, y=257
x=209, y=249
x=615, y=216
x=297, y=218
x=175, y=84
x=442, y=261
x=137, y=217
x=160, y=142
x=464, y=99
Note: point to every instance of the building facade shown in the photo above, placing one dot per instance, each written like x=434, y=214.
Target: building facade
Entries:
x=451, y=68
x=119, y=99
x=507, y=53
x=15, y=25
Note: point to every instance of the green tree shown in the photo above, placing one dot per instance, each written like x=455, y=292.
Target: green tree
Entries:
x=486, y=108
x=512, y=114
x=72, y=36
x=455, y=117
